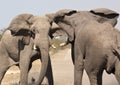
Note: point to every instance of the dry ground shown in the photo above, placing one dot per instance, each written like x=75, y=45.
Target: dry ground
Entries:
x=62, y=71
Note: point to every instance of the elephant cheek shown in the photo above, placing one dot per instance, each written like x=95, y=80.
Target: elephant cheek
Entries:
x=26, y=40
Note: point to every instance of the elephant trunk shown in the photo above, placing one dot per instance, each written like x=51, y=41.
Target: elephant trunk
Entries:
x=43, y=46
x=44, y=65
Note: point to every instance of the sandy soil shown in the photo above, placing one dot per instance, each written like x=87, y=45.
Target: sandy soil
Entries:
x=62, y=71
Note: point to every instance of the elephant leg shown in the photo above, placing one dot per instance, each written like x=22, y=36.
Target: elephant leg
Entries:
x=95, y=77
x=2, y=72
x=78, y=70
x=34, y=56
x=94, y=68
x=49, y=73
x=30, y=66
x=4, y=65
x=79, y=66
x=24, y=64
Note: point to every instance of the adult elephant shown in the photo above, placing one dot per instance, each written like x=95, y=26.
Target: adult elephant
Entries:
x=93, y=42
x=17, y=46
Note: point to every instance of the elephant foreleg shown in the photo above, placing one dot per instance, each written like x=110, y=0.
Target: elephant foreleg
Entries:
x=49, y=73
x=94, y=68
x=24, y=64
x=95, y=77
x=2, y=73
x=79, y=65
x=4, y=65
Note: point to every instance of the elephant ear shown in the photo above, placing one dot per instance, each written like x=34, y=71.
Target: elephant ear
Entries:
x=105, y=15
x=26, y=35
x=65, y=12
x=65, y=24
x=58, y=16
x=20, y=26
x=20, y=22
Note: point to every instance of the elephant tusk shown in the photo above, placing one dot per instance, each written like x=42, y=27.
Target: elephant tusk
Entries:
x=53, y=46
x=34, y=47
x=62, y=44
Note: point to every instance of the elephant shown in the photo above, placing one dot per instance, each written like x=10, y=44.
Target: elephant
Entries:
x=93, y=42
x=17, y=47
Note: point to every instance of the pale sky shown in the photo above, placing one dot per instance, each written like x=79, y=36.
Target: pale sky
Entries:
x=11, y=8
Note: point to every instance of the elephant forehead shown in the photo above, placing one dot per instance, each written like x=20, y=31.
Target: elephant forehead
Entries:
x=41, y=25
x=40, y=18
x=41, y=28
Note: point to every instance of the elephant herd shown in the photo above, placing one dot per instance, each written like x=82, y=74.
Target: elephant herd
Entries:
x=95, y=44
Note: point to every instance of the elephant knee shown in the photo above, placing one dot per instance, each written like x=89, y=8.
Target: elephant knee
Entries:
x=79, y=67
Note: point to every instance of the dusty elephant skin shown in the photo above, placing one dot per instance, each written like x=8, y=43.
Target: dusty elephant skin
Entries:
x=93, y=40
x=17, y=43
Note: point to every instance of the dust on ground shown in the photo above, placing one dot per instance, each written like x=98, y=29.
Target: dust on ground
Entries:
x=63, y=71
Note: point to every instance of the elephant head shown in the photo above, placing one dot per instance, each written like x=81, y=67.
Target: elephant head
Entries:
x=58, y=18
x=68, y=19
x=36, y=27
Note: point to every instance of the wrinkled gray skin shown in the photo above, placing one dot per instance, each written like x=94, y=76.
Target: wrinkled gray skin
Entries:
x=17, y=45
x=94, y=44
